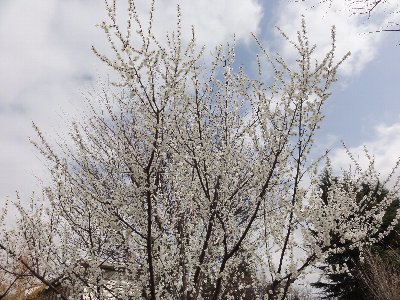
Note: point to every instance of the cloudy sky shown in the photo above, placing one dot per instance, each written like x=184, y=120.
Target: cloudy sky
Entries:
x=46, y=63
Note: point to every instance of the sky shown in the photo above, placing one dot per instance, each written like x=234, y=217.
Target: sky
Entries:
x=47, y=65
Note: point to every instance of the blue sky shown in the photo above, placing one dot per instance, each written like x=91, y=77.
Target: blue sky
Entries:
x=46, y=63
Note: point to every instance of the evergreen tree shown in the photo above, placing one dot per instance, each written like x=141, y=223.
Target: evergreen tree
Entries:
x=348, y=285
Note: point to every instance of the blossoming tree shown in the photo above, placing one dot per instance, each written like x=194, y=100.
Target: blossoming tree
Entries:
x=184, y=170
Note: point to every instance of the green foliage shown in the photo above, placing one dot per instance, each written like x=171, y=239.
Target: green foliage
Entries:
x=348, y=285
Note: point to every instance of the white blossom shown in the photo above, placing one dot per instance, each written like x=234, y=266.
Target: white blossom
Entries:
x=183, y=170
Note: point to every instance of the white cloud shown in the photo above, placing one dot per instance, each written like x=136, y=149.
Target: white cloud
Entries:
x=46, y=59
x=352, y=31
x=217, y=21
x=384, y=146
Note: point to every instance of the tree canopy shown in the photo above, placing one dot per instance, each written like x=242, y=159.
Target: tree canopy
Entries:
x=185, y=168
x=349, y=284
